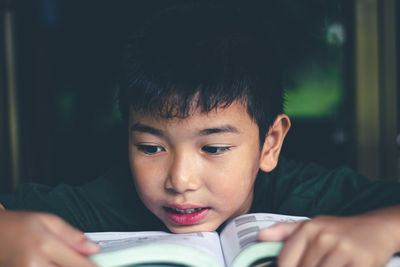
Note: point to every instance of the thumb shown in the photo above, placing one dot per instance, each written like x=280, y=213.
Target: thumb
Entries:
x=278, y=232
x=68, y=234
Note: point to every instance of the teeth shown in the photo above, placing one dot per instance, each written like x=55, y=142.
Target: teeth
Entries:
x=186, y=211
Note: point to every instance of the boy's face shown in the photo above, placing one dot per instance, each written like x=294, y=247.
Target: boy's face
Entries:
x=197, y=172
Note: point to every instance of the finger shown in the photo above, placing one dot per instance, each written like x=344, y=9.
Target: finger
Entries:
x=70, y=235
x=24, y=261
x=317, y=250
x=278, y=232
x=296, y=244
x=334, y=260
x=2, y=207
x=292, y=252
x=61, y=255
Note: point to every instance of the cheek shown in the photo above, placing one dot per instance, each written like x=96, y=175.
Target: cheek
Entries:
x=147, y=178
x=231, y=192
x=235, y=181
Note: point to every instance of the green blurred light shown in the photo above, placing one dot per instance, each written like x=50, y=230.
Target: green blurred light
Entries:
x=316, y=96
x=335, y=34
x=108, y=117
x=67, y=106
x=115, y=114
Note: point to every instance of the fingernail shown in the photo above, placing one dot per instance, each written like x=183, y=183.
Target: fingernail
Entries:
x=92, y=247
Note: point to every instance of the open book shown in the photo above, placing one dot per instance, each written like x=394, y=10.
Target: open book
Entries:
x=236, y=246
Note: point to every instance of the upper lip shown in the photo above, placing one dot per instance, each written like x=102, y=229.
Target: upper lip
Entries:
x=184, y=206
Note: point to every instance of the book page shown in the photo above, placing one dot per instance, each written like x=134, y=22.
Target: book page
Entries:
x=206, y=242
x=394, y=262
x=242, y=231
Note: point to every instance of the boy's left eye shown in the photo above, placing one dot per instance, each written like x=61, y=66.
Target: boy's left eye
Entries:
x=215, y=150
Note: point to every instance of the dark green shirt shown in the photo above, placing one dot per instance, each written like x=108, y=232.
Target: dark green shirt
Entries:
x=110, y=203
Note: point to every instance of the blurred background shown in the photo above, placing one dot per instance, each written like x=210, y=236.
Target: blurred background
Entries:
x=59, y=119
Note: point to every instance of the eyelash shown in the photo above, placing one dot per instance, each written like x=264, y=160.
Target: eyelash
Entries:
x=149, y=149
x=212, y=150
x=220, y=149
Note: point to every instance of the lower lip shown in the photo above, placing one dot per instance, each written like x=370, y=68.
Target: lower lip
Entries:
x=187, y=218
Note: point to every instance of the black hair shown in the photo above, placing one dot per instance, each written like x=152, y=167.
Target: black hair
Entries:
x=203, y=57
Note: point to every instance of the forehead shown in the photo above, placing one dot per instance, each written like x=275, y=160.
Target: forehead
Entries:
x=235, y=114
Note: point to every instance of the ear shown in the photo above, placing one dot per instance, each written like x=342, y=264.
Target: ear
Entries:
x=273, y=143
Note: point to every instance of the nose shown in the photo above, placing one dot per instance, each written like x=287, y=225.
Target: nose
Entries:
x=182, y=174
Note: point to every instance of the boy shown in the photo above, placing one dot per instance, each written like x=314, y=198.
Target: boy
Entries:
x=202, y=97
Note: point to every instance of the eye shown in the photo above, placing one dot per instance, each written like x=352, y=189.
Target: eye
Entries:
x=150, y=149
x=215, y=150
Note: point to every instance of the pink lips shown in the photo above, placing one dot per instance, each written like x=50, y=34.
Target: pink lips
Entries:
x=186, y=214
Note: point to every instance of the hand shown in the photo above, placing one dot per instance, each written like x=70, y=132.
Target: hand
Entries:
x=364, y=241
x=39, y=239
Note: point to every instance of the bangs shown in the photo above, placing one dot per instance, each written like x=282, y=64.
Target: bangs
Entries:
x=169, y=101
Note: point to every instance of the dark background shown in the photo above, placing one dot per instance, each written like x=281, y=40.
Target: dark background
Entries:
x=67, y=59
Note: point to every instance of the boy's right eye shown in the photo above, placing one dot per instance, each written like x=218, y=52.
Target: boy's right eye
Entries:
x=150, y=149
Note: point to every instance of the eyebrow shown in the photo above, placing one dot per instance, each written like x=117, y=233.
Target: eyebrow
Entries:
x=220, y=129
x=208, y=131
x=146, y=129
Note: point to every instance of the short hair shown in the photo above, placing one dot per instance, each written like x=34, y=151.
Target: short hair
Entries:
x=203, y=57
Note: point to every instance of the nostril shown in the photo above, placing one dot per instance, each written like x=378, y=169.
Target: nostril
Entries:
x=180, y=184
